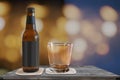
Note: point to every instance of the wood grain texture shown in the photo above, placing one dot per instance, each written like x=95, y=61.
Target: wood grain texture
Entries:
x=83, y=73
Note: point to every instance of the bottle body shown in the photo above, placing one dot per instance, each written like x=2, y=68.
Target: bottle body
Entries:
x=30, y=45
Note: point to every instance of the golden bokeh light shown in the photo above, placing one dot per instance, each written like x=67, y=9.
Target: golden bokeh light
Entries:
x=108, y=13
x=2, y=23
x=12, y=56
x=60, y=29
x=90, y=31
x=80, y=45
x=72, y=27
x=72, y=12
x=40, y=10
x=61, y=21
x=12, y=41
x=102, y=49
x=57, y=35
x=96, y=38
x=23, y=21
x=87, y=29
x=4, y=8
x=77, y=56
x=109, y=29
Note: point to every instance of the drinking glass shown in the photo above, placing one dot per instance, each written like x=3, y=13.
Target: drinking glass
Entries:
x=59, y=54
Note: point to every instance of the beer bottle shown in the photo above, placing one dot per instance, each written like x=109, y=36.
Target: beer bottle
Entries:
x=30, y=44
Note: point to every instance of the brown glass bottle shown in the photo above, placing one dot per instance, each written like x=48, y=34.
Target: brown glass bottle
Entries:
x=30, y=44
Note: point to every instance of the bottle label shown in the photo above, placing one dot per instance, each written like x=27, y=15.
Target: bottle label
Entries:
x=30, y=55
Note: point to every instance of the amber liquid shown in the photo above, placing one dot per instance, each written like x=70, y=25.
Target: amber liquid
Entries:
x=59, y=57
x=30, y=69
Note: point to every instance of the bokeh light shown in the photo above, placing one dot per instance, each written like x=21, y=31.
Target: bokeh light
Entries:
x=41, y=11
x=39, y=25
x=23, y=21
x=87, y=29
x=109, y=29
x=102, y=48
x=61, y=21
x=72, y=12
x=72, y=27
x=96, y=38
x=12, y=41
x=12, y=56
x=80, y=45
x=77, y=56
x=108, y=13
x=4, y=8
x=2, y=23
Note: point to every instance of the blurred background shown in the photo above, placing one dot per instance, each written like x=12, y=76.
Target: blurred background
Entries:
x=93, y=26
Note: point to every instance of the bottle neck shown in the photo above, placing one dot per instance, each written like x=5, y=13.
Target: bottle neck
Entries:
x=30, y=23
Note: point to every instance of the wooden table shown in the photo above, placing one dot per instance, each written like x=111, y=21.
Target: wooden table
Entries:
x=0, y=77
x=83, y=73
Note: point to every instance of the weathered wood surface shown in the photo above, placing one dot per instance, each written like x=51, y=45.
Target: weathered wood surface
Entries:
x=0, y=77
x=83, y=73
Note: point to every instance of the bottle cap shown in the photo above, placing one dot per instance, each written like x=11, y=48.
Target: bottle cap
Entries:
x=31, y=9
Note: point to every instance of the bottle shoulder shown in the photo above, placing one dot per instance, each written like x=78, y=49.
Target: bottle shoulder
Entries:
x=30, y=35
x=32, y=32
